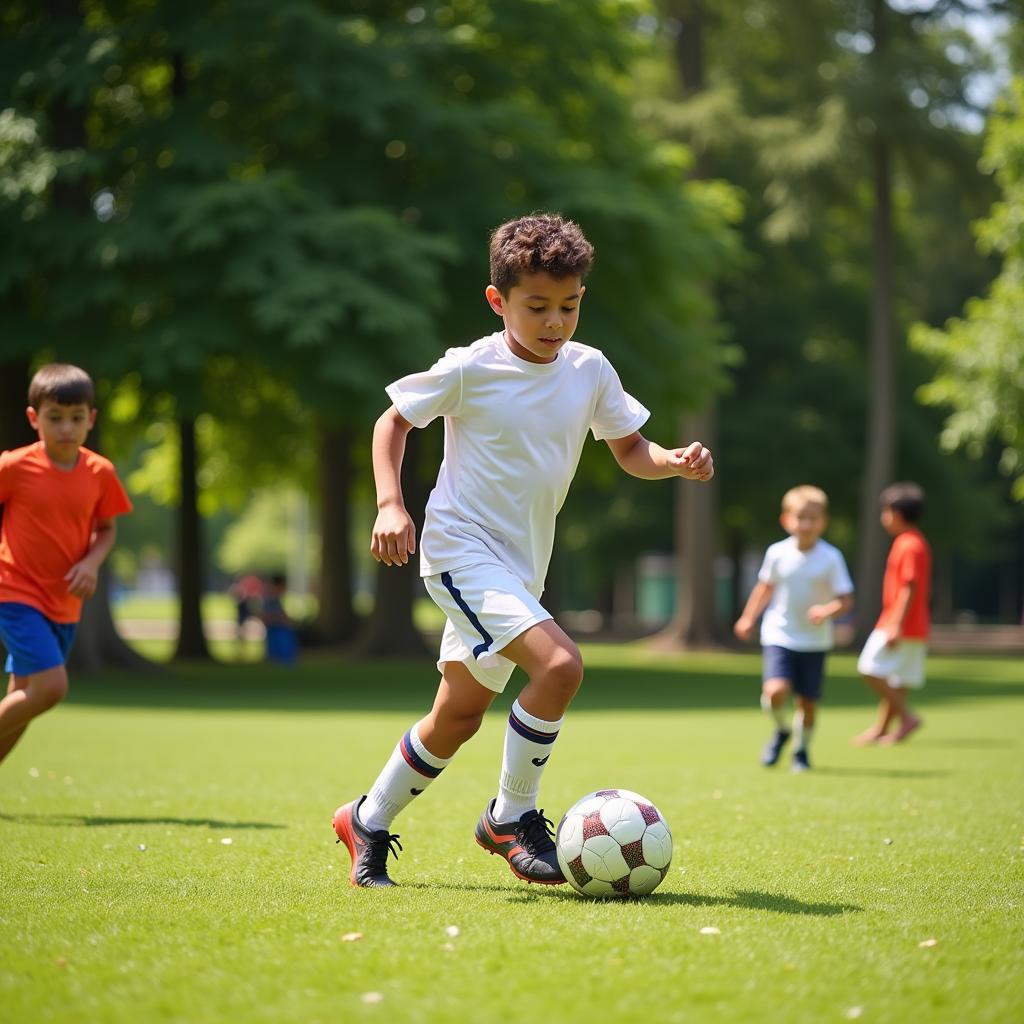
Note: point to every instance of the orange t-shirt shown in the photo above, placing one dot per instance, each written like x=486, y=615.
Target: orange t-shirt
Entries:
x=910, y=561
x=48, y=522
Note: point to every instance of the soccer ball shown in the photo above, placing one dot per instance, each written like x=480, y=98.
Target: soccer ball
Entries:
x=614, y=843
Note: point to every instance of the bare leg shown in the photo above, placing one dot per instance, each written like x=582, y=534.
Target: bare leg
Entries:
x=901, y=710
x=457, y=712
x=885, y=712
x=553, y=663
x=27, y=697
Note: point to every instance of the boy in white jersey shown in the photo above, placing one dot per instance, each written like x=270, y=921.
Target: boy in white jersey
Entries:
x=517, y=406
x=803, y=584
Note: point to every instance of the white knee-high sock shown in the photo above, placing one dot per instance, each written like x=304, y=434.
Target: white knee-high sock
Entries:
x=410, y=769
x=777, y=713
x=528, y=742
x=801, y=733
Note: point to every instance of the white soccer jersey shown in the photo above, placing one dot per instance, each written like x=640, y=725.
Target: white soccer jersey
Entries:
x=801, y=579
x=513, y=433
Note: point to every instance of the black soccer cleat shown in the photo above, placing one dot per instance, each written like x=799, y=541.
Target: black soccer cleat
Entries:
x=773, y=748
x=368, y=850
x=526, y=845
x=801, y=763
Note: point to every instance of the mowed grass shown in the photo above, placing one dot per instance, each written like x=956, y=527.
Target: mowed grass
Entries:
x=167, y=855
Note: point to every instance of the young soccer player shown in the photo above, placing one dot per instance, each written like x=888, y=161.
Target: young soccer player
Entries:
x=59, y=502
x=803, y=584
x=517, y=406
x=894, y=654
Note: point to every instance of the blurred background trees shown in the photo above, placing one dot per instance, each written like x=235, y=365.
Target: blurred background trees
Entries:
x=246, y=219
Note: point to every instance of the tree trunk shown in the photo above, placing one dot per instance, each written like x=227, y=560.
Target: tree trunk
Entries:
x=98, y=644
x=191, y=639
x=14, y=426
x=694, y=623
x=336, y=621
x=881, y=410
x=390, y=629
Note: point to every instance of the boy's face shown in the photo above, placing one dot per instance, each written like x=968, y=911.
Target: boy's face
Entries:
x=62, y=428
x=892, y=521
x=540, y=314
x=805, y=521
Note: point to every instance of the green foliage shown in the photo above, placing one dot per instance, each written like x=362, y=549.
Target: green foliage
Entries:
x=980, y=357
x=263, y=539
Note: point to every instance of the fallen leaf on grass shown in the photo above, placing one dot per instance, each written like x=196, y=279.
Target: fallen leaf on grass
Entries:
x=709, y=930
x=226, y=841
x=351, y=936
x=854, y=1012
x=927, y=943
x=452, y=931
x=371, y=997
x=448, y=947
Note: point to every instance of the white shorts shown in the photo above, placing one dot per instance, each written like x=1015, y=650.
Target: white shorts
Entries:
x=487, y=608
x=901, y=665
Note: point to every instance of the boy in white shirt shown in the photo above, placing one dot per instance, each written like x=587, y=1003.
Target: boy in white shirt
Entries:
x=803, y=584
x=517, y=406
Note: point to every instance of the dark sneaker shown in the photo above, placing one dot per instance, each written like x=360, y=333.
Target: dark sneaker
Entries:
x=368, y=850
x=526, y=845
x=800, y=762
x=773, y=749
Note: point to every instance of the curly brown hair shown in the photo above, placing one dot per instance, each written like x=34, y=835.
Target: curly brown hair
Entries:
x=540, y=242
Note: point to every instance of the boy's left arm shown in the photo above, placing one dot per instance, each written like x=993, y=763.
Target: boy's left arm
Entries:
x=649, y=461
x=82, y=576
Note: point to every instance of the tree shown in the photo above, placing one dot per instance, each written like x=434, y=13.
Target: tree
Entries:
x=979, y=357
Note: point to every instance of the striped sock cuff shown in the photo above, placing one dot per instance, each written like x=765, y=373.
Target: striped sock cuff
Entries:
x=419, y=758
x=536, y=730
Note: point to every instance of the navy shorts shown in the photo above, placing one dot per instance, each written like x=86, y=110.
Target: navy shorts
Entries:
x=33, y=642
x=805, y=670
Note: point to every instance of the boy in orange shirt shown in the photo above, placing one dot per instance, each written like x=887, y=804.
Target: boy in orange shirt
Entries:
x=893, y=657
x=59, y=502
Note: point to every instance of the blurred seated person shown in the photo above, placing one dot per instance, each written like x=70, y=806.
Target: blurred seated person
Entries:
x=246, y=592
x=282, y=642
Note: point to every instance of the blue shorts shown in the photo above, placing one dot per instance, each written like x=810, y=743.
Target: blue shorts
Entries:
x=33, y=642
x=803, y=669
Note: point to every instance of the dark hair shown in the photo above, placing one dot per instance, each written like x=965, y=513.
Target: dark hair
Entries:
x=906, y=498
x=61, y=383
x=540, y=242
x=278, y=579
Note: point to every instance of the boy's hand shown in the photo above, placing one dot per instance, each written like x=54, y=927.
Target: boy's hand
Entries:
x=893, y=633
x=394, y=536
x=744, y=628
x=817, y=614
x=694, y=462
x=81, y=579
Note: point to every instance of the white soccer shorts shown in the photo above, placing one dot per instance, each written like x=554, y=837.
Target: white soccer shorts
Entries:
x=487, y=608
x=901, y=665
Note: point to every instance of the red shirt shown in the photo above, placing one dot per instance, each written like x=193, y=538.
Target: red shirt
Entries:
x=49, y=518
x=910, y=561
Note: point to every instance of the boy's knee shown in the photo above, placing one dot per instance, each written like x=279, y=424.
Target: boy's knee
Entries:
x=564, y=672
x=464, y=724
x=50, y=688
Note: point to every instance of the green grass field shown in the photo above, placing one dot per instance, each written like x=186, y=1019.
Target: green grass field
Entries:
x=167, y=855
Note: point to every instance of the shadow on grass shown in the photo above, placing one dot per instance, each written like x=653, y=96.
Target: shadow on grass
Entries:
x=773, y=903
x=885, y=773
x=323, y=683
x=89, y=821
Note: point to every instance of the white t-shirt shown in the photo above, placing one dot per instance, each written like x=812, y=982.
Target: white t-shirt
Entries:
x=801, y=579
x=513, y=433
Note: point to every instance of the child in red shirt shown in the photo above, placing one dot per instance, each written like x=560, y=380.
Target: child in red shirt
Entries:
x=894, y=655
x=59, y=502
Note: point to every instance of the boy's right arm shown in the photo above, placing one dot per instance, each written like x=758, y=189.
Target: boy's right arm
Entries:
x=394, y=535
x=756, y=603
